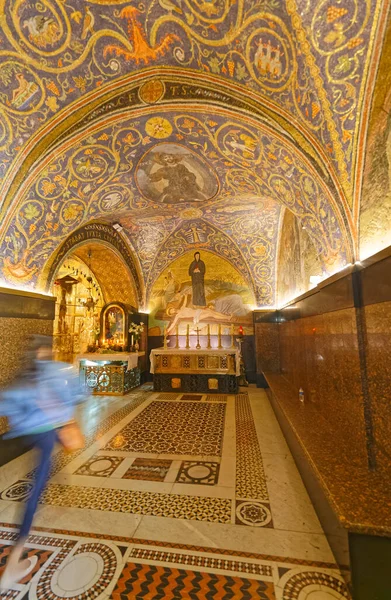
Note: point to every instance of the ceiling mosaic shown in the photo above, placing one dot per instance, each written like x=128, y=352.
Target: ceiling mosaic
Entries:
x=307, y=59
x=174, y=180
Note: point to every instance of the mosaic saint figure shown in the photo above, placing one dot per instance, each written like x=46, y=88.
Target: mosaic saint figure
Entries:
x=180, y=183
x=197, y=273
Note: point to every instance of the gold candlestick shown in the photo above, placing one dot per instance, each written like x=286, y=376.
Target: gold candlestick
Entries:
x=188, y=337
x=165, y=337
x=232, y=336
x=177, y=337
x=220, y=344
x=198, y=338
x=209, y=344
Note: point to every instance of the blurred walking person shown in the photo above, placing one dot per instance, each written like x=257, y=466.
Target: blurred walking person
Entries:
x=39, y=406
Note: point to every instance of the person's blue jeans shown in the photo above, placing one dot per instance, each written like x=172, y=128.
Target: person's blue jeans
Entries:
x=44, y=442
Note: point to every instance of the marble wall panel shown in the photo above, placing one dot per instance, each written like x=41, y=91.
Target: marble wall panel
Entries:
x=267, y=347
x=378, y=351
x=320, y=354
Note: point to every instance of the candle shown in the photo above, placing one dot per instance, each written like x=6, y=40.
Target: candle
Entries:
x=208, y=329
x=219, y=329
x=188, y=329
x=240, y=330
x=177, y=329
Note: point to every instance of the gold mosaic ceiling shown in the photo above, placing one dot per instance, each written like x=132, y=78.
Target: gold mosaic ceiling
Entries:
x=181, y=119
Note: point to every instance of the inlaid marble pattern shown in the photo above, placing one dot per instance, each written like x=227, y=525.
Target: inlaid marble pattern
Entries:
x=250, y=474
x=193, y=508
x=253, y=514
x=85, y=566
x=62, y=458
x=148, y=469
x=19, y=491
x=199, y=472
x=100, y=466
x=174, y=428
x=217, y=398
x=151, y=581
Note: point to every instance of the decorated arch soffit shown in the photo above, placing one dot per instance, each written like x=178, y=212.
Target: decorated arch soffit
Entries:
x=308, y=60
x=141, y=166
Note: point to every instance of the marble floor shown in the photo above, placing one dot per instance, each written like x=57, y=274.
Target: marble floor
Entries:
x=175, y=496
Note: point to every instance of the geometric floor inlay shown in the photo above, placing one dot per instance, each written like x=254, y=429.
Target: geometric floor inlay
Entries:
x=253, y=514
x=85, y=566
x=193, y=508
x=198, y=472
x=250, y=474
x=148, y=469
x=151, y=581
x=100, y=466
x=174, y=428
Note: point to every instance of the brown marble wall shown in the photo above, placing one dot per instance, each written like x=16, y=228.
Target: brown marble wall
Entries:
x=378, y=353
x=267, y=347
x=320, y=354
x=335, y=343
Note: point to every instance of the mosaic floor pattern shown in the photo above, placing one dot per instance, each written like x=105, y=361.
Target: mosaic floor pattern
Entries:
x=174, y=428
x=162, y=488
x=83, y=566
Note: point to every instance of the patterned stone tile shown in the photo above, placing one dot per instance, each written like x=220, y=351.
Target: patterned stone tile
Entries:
x=198, y=472
x=85, y=566
x=253, y=514
x=250, y=474
x=154, y=582
x=217, y=398
x=168, y=396
x=192, y=397
x=197, y=560
x=174, y=428
x=148, y=469
x=100, y=466
x=18, y=491
x=62, y=458
x=193, y=508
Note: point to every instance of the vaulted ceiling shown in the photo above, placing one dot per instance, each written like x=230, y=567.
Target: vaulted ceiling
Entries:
x=264, y=102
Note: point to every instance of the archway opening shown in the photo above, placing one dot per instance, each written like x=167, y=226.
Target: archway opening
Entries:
x=88, y=277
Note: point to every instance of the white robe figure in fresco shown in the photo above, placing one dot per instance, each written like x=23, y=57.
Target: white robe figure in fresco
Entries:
x=197, y=274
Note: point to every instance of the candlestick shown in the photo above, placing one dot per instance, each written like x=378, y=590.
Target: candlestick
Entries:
x=209, y=344
x=177, y=337
x=219, y=344
x=198, y=338
x=188, y=336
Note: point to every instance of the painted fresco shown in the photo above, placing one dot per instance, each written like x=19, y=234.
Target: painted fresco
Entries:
x=171, y=173
x=297, y=261
x=197, y=289
x=307, y=58
x=375, y=214
x=94, y=176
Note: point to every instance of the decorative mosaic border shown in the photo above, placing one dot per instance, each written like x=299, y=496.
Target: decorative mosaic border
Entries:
x=124, y=569
x=250, y=474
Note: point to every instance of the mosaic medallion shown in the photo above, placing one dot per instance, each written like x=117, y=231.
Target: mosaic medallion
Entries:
x=19, y=491
x=152, y=91
x=201, y=473
x=148, y=469
x=313, y=585
x=100, y=466
x=171, y=173
x=174, y=428
x=253, y=514
x=83, y=574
